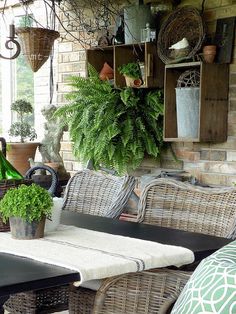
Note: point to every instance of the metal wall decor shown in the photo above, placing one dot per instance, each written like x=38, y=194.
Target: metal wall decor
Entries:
x=11, y=41
x=83, y=21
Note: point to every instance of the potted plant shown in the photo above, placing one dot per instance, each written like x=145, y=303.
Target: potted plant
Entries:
x=26, y=207
x=19, y=153
x=209, y=49
x=132, y=74
x=114, y=128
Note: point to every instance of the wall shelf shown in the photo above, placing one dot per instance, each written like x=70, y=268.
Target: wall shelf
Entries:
x=117, y=55
x=213, y=102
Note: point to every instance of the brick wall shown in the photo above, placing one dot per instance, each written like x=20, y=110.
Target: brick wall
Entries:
x=213, y=163
x=210, y=163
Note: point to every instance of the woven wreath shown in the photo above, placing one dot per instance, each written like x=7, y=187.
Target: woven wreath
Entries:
x=189, y=78
x=183, y=22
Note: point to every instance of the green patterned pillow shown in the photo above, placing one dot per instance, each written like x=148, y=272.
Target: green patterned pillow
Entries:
x=212, y=286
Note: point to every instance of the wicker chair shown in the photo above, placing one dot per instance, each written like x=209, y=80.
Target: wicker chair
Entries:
x=134, y=293
x=97, y=193
x=174, y=204
x=89, y=192
x=168, y=203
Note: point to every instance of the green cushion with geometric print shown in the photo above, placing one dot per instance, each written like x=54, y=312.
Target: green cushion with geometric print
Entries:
x=212, y=286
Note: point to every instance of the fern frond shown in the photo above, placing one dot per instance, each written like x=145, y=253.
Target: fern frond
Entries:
x=115, y=128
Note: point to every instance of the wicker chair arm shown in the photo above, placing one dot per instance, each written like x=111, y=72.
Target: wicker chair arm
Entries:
x=145, y=292
x=126, y=190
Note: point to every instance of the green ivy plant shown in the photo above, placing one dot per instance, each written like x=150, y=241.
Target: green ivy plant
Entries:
x=29, y=202
x=22, y=128
x=131, y=69
x=114, y=128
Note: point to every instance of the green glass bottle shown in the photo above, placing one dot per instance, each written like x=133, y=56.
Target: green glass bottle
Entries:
x=7, y=171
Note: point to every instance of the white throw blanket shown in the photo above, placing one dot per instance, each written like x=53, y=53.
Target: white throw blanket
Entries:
x=96, y=255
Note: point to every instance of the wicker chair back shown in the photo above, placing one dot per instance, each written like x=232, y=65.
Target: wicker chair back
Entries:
x=180, y=205
x=97, y=193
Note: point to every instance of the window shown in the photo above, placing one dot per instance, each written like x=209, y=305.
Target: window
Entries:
x=16, y=79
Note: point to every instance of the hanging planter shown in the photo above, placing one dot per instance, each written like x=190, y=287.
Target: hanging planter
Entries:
x=36, y=44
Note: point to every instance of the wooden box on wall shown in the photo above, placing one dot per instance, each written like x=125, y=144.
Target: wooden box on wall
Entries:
x=213, y=102
x=98, y=56
x=117, y=55
x=145, y=53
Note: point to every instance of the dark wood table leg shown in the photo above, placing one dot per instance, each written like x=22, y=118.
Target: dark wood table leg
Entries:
x=2, y=301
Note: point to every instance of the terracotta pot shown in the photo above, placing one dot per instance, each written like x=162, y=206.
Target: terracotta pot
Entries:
x=106, y=72
x=131, y=82
x=24, y=230
x=18, y=155
x=209, y=53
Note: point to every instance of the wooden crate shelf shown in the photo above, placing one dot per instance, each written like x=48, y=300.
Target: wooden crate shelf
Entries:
x=117, y=55
x=213, y=102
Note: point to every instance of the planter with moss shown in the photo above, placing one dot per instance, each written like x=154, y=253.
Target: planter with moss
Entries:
x=26, y=207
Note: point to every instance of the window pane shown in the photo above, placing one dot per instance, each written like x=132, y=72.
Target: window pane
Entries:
x=24, y=75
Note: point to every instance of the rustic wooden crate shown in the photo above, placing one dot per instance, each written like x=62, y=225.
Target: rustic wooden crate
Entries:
x=213, y=103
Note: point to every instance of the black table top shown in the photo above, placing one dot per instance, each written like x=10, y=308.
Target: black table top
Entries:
x=19, y=274
x=201, y=245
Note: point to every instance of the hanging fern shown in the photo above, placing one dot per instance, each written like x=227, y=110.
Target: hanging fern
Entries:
x=113, y=128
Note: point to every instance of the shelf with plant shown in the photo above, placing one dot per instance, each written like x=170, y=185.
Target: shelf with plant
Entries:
x=115, y=128
x=131, y=69
x=132, y=73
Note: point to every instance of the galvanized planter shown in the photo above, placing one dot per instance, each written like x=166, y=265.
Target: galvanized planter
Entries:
x=24, y=230
x=187, y=105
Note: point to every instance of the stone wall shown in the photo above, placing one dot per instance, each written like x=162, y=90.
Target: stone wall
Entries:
x=210, y=163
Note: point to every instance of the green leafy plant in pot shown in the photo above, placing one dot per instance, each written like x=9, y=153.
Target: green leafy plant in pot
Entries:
x=22, y=128
x=132, y=74
x=114, y=128
x=18, y=153
x=26, y=207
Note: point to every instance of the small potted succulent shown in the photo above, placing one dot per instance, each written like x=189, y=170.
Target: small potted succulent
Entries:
x=27, y=208
x=18, y=153
x=132, y=74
